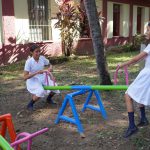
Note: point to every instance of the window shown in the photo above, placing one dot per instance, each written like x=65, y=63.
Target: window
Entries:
x=116, y=19
x=38, y=20
x=139, y=19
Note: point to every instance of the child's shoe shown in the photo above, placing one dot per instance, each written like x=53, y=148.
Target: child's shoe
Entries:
x=50, y=101
x=130, y=131
x=30, y=105
x=143, y=122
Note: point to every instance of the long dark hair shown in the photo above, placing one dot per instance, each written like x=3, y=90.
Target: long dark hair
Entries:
x=33, y=47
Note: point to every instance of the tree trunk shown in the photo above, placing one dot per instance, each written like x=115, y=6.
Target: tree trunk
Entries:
x=91, y=11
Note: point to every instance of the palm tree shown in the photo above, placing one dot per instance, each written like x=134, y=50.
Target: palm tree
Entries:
x=91, y=11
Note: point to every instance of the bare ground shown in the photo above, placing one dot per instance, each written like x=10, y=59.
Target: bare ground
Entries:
x=100, y=133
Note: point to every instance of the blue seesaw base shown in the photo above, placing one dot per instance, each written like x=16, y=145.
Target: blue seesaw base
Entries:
x=69, y=99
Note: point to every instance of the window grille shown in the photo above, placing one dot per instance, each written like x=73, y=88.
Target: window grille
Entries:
x=38, y=20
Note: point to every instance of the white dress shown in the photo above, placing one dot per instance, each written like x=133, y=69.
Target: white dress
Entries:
x=139, y=90
x=36, y=83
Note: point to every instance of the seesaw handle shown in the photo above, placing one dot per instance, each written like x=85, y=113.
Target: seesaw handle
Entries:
x=126, y=75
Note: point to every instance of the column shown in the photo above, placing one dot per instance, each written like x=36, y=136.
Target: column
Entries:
x=8, y=22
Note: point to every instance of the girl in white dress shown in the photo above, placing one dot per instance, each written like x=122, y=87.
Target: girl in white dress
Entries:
x=139, y=90
x=34, y=74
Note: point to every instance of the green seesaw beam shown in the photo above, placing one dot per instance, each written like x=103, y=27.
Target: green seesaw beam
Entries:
x=87, y=87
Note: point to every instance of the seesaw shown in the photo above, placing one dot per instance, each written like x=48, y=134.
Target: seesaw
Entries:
x=87, y=87
x=15, y=140
x=82, y=89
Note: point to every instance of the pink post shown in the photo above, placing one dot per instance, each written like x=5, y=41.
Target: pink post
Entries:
x=116, y=75
x=126, y=75
x=47, y=73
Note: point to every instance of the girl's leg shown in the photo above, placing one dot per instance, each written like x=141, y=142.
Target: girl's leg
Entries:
x=49, y=98
x=130, y=108
x=35, y=98
x=129, y=103
x=31, y=103
x=143, y=119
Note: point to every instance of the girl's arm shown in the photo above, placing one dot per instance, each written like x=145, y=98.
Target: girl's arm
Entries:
x=28, y=76
x=134, y=60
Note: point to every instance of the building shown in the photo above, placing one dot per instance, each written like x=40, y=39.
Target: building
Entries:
x=24, y=22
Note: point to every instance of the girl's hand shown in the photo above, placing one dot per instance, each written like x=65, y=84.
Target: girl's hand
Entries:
x=50, y=69
x=40, y=71
x=121, y=65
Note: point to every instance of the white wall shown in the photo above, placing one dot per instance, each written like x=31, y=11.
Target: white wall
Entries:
x=145, y=17
x=134, y=20
x=21, y=21
x=55, y=32
x=1, y=31
x=99, y=5
x=109, y=20
x=124, y=20
x=54, y=8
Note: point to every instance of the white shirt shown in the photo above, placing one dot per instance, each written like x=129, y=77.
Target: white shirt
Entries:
x=147, y=59
x=33, y=66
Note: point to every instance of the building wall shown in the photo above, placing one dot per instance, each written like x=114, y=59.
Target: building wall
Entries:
x=55, y=31
x=12, y=52
x=21, y=21
x=109, y=20
x=54, y=8
x=1, y=24
x=124, y=21
x=134, y=20
x=145, y=19
x=99, y=5
x=146, y=13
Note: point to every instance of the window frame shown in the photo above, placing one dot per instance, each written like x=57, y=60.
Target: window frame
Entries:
x=39, y=26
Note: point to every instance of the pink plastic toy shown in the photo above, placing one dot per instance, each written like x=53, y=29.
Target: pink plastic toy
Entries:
x=22, y=137
x=126, y=75
x=48, y=73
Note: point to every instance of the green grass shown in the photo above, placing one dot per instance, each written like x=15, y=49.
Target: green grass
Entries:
x=77, y=70
x=71, y=71
x=12, y=71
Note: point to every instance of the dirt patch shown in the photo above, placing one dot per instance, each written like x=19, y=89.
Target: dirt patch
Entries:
x=100, y=134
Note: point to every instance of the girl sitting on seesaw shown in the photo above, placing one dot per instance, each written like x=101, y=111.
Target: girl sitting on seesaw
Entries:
x=34, y=74
x=139, y=90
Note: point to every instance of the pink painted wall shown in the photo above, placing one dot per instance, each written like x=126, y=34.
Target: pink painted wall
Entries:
x=12, y=53
x=84, y=46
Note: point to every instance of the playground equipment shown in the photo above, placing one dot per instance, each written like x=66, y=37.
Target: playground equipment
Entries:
x=126, y=75
x=4, y=145
x=16, y=140
x=27, y=137
x=82, y=89
x=6, y=121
